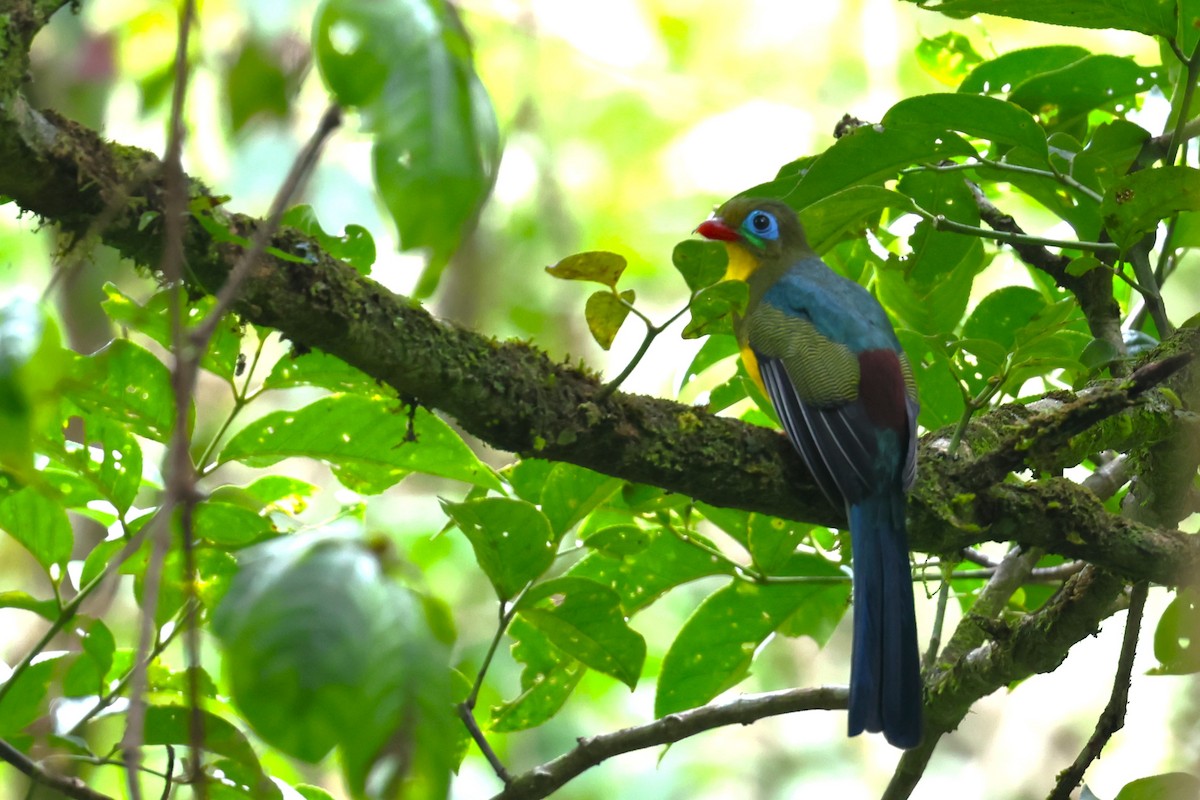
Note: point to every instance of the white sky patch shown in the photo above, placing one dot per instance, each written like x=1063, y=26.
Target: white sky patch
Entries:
x=726, y=153
x=615, y=33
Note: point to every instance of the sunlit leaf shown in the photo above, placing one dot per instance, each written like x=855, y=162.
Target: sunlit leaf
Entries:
x=700, y=263
x=1006, y=71
x=365, y=440
x=1167, y=786
x=605, y=313
x=948, y=57
x=975, y=115
x=711, y=308
x=322, y=650
x=1139, y=201
x=32, y=364
x=1177, y=636
x=870, y=154
x=641, y=578
x=512, y=540
x=847, y=213
x=318, y=368
x=153, y=319
x=547, y=679
x=39, y=524
x=125, y=382
x=716, y=646
x=355, y=246
x=406, y=66
x=1153, y=17
x=1062, y=98
x=597, y=266
x=584, y=619
x=569, y=493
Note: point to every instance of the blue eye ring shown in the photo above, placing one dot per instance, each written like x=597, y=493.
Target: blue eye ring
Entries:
x=761, y=225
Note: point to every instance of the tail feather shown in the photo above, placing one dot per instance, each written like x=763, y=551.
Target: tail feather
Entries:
x=885, y=674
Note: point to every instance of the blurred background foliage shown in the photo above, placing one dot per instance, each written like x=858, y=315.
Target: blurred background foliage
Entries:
x=622, y=123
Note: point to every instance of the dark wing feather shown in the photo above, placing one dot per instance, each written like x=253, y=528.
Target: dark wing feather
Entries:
x=829, y=440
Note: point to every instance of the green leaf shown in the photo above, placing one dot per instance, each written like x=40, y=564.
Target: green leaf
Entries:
x=948, y=58
x=618, y=541
x=716, y=646
x=1110, y=151
x=1177, y=637
x=1151, y=17
x=846, y=213
x=46, y=609
x=1139, y=201
x=1009, y=70
x=975, y=115
x=215, y=570
x=321, y=651
x=406, y=65
x=642, y=577
x=1062, y=98
x=871, y=154
x=1099, y=353
x=598, y=266
x=932, y=286
x=569, y=493
x=24, y=701
x=941, y=396
x=127, y=384
x=547, y=680
x=769, y=540
x=318, y=368
x=39, y=524
x=584, y=619
x=712, y=306
x=309, y=792
x=512, y=539
x=1167, y=786
x=605, y=313
x=257, y=85
x=228, y=525
x=355, y=246
x=700, y=263
x=86, y=676
x=365, y=440
x=171, y=724
x=32, y=365
x=154, y=320
x=111, y=462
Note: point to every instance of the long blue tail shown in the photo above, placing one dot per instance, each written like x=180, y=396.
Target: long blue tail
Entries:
x=885, y=670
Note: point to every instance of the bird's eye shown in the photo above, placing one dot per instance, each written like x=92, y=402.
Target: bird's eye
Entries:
x=762, y=224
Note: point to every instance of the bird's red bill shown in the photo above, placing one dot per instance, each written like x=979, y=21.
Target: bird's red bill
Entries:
x=715, y=228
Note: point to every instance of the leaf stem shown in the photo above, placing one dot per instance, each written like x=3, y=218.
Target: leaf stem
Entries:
x=941, y=223
x=652, y=332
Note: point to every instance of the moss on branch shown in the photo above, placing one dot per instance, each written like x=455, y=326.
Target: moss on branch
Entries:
x=513, y=396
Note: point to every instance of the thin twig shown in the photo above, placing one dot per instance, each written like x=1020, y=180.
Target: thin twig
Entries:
x=544, y=780
x=466, y=709
x=1112, y=719
x=935, y=638
x=942, y=223
x=301, y=168
x=175, y=204
x=67, y=785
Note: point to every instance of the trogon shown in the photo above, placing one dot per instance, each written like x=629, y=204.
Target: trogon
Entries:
x=823, y=350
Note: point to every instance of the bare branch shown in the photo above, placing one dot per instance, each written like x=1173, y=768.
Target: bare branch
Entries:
x=544, y=780
x=69, y=786
x=1112, y=719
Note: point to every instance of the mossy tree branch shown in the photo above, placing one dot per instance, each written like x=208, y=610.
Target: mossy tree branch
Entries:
x=513, y=396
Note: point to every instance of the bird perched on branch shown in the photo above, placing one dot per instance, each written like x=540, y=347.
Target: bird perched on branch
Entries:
x=823, y=350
